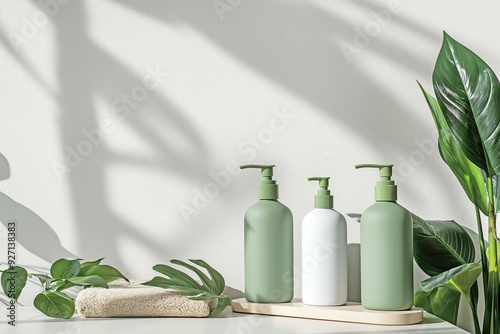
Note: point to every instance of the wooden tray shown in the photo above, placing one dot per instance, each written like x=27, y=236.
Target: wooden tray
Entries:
x=351, y=312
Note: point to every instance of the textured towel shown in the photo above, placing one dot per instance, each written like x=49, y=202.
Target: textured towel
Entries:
x=138, y=301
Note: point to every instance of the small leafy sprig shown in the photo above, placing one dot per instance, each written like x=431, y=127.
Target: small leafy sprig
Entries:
x=64, y=274
x=183, y=283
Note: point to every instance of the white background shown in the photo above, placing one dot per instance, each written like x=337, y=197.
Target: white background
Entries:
x=64, y=65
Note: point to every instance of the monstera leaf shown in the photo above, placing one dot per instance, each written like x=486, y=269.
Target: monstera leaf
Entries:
x=210, y=289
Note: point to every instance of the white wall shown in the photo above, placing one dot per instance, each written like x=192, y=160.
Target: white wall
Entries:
x=229, y=70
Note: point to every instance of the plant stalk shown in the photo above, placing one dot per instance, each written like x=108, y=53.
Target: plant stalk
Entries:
x=477, y=328
x=491, y=205
x=491, y=320
x=491, y=317
x=484, y=260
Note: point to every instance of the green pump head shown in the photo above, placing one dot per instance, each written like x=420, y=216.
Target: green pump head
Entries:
x=323, y=200
x=268, y=189
x=385, y=190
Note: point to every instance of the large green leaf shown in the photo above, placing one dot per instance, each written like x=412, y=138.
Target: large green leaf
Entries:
x=174, y=284
x=186, y=285
x=468, y=93
x=55, y=304
x=13, y=281
x=58, y=285
x=222, y=302
x=440, y=301
x=207, y=283
x=460, y=278
x=468, y=174
x=178, y=275
x=440, y=245
x=92, y=263
x=63, y=268
x=92, y=280
x=204, y=296
x=214, y=274
x=108, y=273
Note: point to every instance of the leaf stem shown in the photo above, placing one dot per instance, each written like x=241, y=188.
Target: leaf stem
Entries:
x=492, y=216
x=491, y=296
x=484, y=260
x=477, y=328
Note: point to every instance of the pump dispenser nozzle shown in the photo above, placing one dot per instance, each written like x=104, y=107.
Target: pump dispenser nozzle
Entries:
x=323, y=199
x=268, y=189
x=386, y=189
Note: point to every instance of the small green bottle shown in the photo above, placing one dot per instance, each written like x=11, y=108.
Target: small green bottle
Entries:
x=386, y=249
x=268, y=244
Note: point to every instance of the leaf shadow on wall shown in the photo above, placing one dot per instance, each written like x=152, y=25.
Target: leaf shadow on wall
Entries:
x=32, y=232
x=298, y=54
x=87, y=71
x=297, y=46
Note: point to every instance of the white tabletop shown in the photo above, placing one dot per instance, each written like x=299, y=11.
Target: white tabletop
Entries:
x=29, y=320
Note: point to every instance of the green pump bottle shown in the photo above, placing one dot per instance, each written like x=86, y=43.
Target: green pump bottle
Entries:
x=386, y=249
x=268, y=244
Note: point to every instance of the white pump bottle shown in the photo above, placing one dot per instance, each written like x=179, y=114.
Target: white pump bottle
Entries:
x=324, y=251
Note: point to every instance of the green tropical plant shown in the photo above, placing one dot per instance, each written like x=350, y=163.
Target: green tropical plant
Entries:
x=210, y=289
x=466, y=112
x=64, y=274
x=438, y=248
